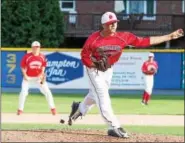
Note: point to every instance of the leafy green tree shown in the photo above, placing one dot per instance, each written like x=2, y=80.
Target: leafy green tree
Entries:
x=24, y=21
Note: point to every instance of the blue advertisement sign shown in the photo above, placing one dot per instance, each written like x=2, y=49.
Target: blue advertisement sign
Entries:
x=10, y=66
x=62, y=68
x=169, y=73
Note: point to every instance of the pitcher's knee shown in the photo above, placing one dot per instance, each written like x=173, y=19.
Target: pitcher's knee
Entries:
x=102, y=92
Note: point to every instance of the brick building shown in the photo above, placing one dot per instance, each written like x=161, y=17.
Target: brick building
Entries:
x=142, y=17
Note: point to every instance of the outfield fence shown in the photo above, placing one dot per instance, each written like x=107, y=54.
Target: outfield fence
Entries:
x=65, y=70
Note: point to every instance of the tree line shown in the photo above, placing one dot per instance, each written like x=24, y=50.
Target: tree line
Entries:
x=24, y=21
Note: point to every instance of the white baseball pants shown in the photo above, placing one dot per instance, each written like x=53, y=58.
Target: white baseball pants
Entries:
x=99, y=95
x=35, y=82
x=149, y=82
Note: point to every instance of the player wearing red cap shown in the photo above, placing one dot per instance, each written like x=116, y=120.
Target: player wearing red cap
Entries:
x=100, y=52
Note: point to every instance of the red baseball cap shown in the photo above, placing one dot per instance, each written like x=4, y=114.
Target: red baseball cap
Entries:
x=108, y=18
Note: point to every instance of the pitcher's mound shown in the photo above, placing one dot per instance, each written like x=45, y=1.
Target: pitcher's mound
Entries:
x=80, y=136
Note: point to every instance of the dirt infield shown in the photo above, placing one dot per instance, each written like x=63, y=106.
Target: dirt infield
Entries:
x=68, y=135
x=80, y=136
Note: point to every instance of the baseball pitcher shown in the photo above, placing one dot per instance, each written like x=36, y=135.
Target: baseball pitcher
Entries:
x=149, y=69
x=33, y=65
x=100, y=52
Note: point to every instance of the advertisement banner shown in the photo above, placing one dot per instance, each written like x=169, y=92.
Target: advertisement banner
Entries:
x=10, y=66
x=127, y=71
x=65, y=70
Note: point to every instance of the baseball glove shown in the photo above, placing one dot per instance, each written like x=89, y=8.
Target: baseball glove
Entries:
x=152, y=71
x=101, y=65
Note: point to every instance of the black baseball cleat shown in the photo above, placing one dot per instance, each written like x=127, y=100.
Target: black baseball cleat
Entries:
x=75, y=112
x=118, y=132
x=146, y=103
x=142, y=102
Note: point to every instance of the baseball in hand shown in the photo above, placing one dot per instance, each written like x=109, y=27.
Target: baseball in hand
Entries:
x=177, y=34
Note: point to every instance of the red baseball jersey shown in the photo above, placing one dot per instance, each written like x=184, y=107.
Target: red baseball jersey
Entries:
x=148, y=65
x=33, y=64
x=112, y=46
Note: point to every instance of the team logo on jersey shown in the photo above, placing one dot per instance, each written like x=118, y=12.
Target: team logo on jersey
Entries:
x=35, y=64
x=109, y=50
x=62, y=68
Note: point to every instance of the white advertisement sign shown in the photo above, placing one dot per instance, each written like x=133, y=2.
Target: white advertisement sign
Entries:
x=65, y=71
x=127, y=71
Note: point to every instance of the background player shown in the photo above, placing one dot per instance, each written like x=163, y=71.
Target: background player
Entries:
x=100, y=52
x=149, y=69
x=33, y=66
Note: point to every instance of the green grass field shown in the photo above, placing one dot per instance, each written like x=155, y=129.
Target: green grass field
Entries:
x=122, y=104
x=179, y=131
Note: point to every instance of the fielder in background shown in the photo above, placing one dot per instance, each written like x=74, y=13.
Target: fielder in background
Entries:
x=149, y=69
x=33, y=66
x=100, y=52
